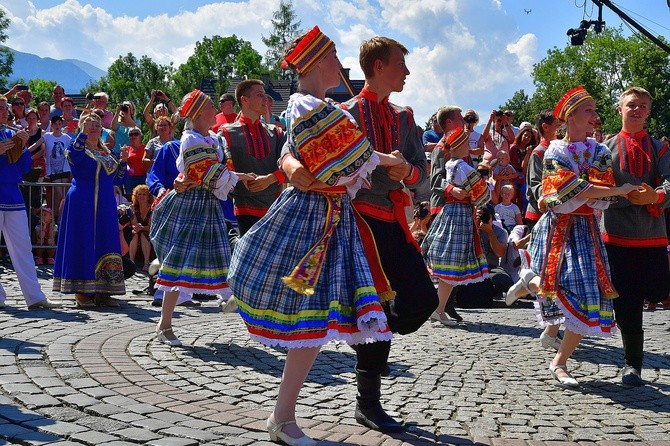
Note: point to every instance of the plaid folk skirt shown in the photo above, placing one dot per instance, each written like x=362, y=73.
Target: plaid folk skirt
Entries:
x=344, y=304
x=189, y=235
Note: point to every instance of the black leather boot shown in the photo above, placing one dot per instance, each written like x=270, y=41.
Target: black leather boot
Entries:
x=450, y=309
x=369, y=411
x=633, y=352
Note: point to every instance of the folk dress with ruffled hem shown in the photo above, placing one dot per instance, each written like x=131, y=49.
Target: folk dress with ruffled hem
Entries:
x=188, y=230
x=454, y=251
x=88, y=255
x=566, y=249
x=300, y=275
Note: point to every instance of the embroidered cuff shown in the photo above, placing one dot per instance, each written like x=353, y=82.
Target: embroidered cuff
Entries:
x=412, y=177
x=448, y=190
x=280, y=175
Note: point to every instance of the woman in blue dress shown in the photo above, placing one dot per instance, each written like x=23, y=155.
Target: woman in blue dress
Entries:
x=88, y=256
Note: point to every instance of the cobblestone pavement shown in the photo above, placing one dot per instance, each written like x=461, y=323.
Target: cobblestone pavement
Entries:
x=98, y=377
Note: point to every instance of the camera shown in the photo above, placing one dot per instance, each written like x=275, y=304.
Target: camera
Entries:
x=421, y=210
x=22, y=87
x=470, y=119
x=89, y=96
x=125, y=214
x=97, y=96
x=125, y=108
x=498, y=112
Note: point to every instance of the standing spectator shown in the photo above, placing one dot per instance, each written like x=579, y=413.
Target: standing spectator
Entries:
x=475, y=139
x=161, y=109
x=269, y=117
x=58, y=95
x=123, y=121
x=43, y=115
x=228, y=114
x=57, y=167
x=141, y=222
x=19, y=112
x=634, y=230
x=23, y=92
x=88, y=255
x=433, y=135
x=448, y=118
x=70, y=121
x=254, y=147
x=164, y=129
x=493, y=136
x=137, y=169
x=520, y=152
x=14, y=163
x=100, y=102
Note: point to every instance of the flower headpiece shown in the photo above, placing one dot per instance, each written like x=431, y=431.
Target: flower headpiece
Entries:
x=570, y=101
x=311, y=49
x=193, y=105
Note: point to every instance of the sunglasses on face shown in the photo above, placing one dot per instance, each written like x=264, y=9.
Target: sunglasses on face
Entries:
x=18, y=103
x=134, y=134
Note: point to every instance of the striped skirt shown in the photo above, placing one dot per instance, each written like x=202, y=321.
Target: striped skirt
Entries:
x=190, y=237
x=450, y=247
x=579, y=268
x=344, y=306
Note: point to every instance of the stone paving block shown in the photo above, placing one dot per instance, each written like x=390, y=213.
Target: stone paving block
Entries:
x=180, y=431
x=61, y=428
x=173, y=441
x=137, y=434
x=93, y=437
x=37, y=401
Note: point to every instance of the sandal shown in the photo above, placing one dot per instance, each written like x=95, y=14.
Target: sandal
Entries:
x=160, y=335
x=564, y=378
x=83, y=301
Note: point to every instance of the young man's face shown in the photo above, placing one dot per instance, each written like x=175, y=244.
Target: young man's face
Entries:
x=395, y=71
x=635, y=110
x=257, y=100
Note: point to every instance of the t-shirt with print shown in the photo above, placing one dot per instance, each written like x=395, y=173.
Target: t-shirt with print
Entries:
x=54, y=153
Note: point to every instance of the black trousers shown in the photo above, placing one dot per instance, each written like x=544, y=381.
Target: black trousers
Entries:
x=416, y=295
x=245, y=222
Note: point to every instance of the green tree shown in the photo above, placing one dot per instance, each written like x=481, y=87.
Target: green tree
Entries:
x=285, y=27
x=42, y=90
x=218, y=58
x=6, y=55
x=521, y=105
x=606, y=65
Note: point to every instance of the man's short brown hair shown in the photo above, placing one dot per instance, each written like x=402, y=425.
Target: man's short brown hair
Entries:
x=244, y=88
x=377, y=48
x=639, y=91
x=446, y=112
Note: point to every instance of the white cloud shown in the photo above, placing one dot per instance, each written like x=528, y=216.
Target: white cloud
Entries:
x=466, y=53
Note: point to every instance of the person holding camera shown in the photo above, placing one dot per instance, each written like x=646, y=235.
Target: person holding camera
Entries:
x=161, y=109
x=498, y=135
x=475, y=140
x=99, y=102
x=122, y=122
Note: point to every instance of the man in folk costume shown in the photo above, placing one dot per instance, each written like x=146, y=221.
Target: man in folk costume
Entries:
x=254, y=147
x=634, y=229
x=14, y=163
x=390, y=129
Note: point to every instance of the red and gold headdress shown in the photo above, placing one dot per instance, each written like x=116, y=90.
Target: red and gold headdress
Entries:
x=311, y=49
x=570, y=101
x=193, y=105
x=456, y=138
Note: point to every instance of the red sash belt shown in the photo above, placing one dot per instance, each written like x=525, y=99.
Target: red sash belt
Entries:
x=400, y=200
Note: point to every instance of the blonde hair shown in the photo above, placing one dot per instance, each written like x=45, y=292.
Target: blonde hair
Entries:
x=93, y=117
x=638, y=91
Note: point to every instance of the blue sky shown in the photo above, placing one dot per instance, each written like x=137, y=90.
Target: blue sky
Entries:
x=473, y=53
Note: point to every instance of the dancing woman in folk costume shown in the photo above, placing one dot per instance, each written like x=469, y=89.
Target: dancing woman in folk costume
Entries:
x=568, y=262
x=188, y=230
x=300, y=275
x=454, y=250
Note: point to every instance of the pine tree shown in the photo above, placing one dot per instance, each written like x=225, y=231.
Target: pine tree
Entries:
x=285, y=27
x=6, y=55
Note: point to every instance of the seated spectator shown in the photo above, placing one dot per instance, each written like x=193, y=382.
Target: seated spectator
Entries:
x=140, y=223
x=507, y=211
x=494, y=243
x=45, y=234
x=161, y=109
x=503, y=172
x=421, y=221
